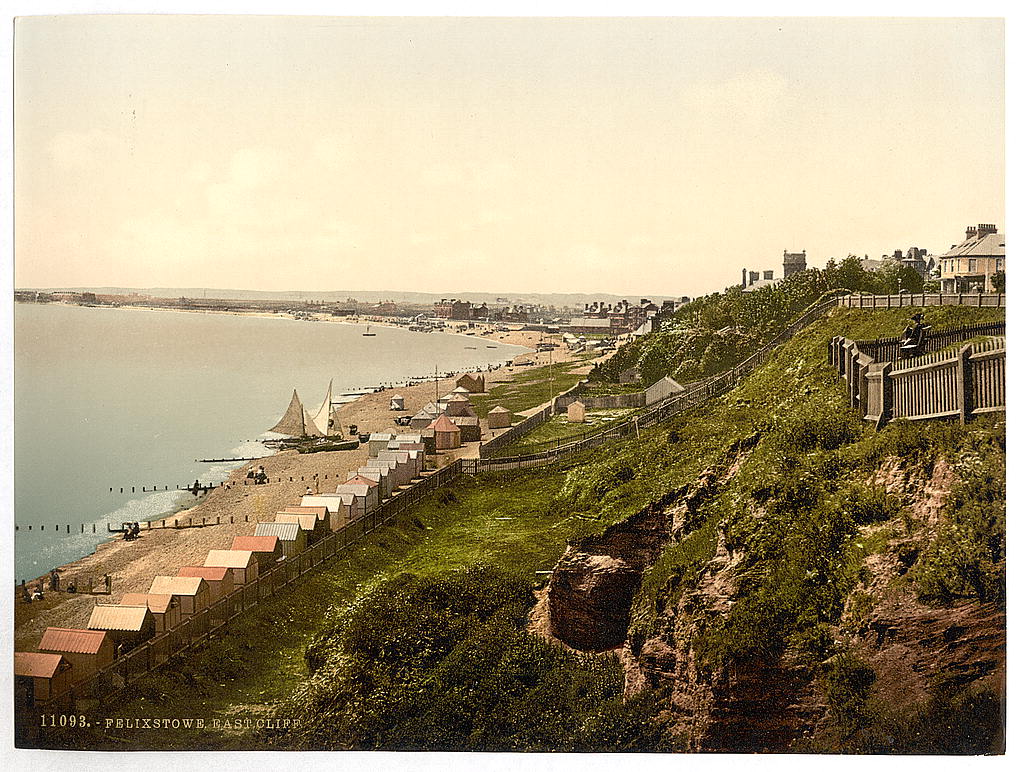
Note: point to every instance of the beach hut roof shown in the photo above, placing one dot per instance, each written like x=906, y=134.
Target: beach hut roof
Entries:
x=362, y=490
x=401, y=456
x=255, y=543
x=177, y=585
x=466, y=420
x=130, y=618
x=36, y=664
x=158, y=603
x=305, y=522
x=358, y=479
x=416, y=437
x=229, y=558
x=319, y=512
x=209, y=573
x=461, y=390
x=72, y=640
x=498, y=410
x=378, y=436
x=458, y=398
x=328, y=500
x=443, y=424
x=373, y=472
x=282, y=531
x=431, y=407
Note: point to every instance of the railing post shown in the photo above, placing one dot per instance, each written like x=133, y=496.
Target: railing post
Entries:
x=885, y=395
x=963, y=383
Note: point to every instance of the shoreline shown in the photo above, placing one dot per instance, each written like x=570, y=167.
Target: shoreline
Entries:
x=132, y=565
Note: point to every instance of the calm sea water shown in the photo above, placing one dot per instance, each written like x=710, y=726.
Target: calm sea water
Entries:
x=106, y=398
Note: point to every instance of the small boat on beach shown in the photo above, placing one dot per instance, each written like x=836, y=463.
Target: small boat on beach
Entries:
x=368, y=334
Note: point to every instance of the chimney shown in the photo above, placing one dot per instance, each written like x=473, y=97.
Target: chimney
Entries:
x=985, y=229
x=744, y=285
x=971, y=232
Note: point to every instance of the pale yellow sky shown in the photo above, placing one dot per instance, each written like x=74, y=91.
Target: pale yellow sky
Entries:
x=632, y=156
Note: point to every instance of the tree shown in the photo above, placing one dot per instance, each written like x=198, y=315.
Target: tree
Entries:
x=999, y=281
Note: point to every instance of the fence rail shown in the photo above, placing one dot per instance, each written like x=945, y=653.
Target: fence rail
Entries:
x=976, y=299
x=965, y=382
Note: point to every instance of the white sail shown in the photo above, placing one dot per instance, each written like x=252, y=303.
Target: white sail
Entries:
x=336, y=428
x=323, y=416
x=292, y=422
x=311, y=429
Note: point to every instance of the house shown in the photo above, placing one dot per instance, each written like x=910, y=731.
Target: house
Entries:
x=165, y=609
x=192, y=592
x=314, y=528
x=499, y=418
x=446, y=434
x=40, y=677
x=290, y=537
x=577, y=412
x=469, y=428
x=471, y=382
x=970, y=265
x=243, y=564
x=267, y=549
x=87, y=651
x=128, y=625
x=219, y=579
x=658, y=391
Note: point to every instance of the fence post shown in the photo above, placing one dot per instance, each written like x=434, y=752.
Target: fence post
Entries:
x=885, y=395
x=963, y=383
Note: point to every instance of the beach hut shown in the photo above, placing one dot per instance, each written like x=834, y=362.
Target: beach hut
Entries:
x=127, y=625
x=87, y=651
x=469, y=428
x=219, y=579
x=366, y=492
x=40, y=677
x=460, y=407
x=577, y=413
x=398, y=402
x=313, y=528
x=378, y=442
x=381, y=475
x=267, y=549
x=243, y=564
x=405, y=467
x=322, y=513
x=472, y=383
x=416, y=451
x=423, y=418
x=192, y=592
x=291, y=538
x=499, y=418
x=340, y=510
x=659, y=390
x=429, y=442
x=446, y=434
x=165, y=609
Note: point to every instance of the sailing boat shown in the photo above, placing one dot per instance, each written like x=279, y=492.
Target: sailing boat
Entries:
x=296, y=422
x=368, y=334
x=324, y=418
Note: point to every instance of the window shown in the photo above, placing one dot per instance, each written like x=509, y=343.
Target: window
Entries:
x=972, y=265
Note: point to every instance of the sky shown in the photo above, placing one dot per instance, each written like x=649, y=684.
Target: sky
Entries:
x=628, y=156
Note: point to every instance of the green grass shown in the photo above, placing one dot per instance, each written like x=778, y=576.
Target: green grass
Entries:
x=528, y=389
x=259, y=660
x=559, y=428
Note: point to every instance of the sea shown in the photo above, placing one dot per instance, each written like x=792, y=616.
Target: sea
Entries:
x=110, y=398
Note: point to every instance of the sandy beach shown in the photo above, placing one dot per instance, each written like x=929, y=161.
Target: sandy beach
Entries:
x=132, y=565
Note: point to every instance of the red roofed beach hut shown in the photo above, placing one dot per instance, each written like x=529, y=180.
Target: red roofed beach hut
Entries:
x=40, y=677
x=165, y=608
x=217, y=577
x=446, y=433
x=267, y=549
x=88, y=651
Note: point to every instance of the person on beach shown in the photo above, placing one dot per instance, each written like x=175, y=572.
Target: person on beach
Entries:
x=26, y=596
x=309, y=491
x=195, y=488
x=106, y=582
x=54, y=581
x=37, y=594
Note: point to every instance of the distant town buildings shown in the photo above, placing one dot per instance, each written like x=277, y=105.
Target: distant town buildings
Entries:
x=970, y=265
x=608, y=319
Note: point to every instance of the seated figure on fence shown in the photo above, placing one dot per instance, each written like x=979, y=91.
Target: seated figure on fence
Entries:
x=912, y=340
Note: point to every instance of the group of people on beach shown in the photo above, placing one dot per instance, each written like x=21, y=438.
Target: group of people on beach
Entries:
x=35, y=591
x=258, y=475
x=131, y=532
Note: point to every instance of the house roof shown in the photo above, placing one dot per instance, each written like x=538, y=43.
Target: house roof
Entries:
x=130, y=618
x=177, y=585
x=255, y=543
x=989, y=245
x=305, y=522
x=35, y=664
x=72, y=640
x=229, y=558
x=329, y=500
x=158, y=603
x=320, y=512
x=282, y=531
x=209, y=573
x=443, y=424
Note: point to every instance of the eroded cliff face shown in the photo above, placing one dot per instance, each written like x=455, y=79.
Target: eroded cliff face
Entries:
x=772, y=705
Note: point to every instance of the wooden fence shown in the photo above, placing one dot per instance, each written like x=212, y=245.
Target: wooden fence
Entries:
x=527, y=425
x=976, y=299
x=201, y=627
x=967, y=381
